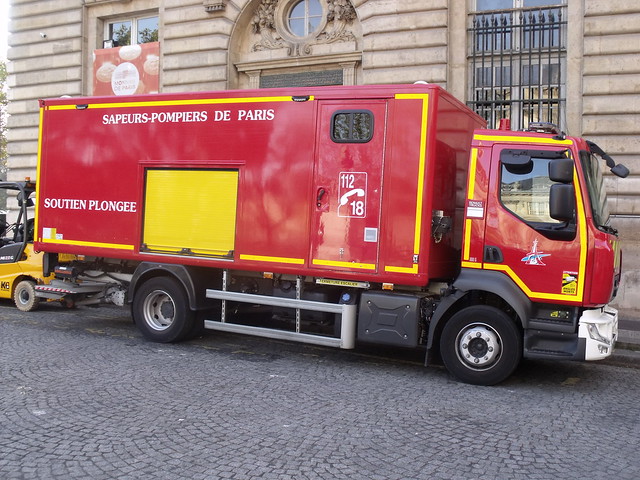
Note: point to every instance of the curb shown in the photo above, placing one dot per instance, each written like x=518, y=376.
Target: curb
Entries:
x=627, y=349
x=629, y=338
x=624, y=358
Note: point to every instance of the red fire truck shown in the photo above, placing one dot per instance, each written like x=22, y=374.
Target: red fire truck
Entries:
x=332, y=215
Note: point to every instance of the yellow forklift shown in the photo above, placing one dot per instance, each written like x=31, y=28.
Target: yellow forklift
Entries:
x=20, y=265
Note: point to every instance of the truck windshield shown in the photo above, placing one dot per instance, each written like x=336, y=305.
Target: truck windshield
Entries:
x=596, y=189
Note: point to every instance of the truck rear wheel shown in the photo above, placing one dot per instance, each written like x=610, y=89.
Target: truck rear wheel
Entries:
x=24, y=296
x=161, y=310
x=481, y=345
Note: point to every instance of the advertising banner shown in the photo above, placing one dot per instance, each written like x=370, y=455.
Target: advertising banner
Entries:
x=126, y=70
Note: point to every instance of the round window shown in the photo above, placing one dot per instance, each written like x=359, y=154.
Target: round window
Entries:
x=305, y=17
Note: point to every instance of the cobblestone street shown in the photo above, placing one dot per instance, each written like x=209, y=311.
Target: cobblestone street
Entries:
x=84, y=396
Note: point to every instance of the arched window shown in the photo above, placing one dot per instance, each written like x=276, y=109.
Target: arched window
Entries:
x=308, y=42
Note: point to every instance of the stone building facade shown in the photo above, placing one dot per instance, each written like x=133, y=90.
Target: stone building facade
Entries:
x=574, y=62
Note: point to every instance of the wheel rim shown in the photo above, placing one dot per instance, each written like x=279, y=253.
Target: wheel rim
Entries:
x=478, y=346
x=24, y=296
x=158, y=310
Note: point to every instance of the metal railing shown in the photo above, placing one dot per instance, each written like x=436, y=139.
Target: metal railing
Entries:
x=518, y=63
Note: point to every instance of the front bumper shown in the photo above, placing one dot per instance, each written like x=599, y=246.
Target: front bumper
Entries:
x=599, y=330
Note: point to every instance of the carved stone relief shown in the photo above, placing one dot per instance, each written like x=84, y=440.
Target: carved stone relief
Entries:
x=264, y=24
x=270, y=23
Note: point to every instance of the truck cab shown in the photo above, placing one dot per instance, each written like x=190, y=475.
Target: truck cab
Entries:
x=538, y=248
x=20, y=265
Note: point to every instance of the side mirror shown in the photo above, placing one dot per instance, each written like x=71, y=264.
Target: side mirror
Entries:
x=21, y=200
x=561, y=170
x=562, y=202
x=620, y=171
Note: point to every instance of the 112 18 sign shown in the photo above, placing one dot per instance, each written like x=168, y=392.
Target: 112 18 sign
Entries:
x=352, y=194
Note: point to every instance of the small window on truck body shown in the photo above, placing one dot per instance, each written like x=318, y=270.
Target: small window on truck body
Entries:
x=352, y=126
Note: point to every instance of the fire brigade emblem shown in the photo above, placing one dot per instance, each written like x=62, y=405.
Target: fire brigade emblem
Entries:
x=534, y=257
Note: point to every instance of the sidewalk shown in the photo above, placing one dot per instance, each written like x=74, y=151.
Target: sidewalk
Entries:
x=627, y=350
x=629, y=334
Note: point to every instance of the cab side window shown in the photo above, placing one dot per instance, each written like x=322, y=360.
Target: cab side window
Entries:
x=524, y=191
x=527, y=190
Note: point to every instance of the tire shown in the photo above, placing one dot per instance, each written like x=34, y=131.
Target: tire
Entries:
x=161, y=310
x=24, y=296
x=481, y=345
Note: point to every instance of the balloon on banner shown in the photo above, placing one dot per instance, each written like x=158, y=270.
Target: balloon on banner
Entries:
x=126, y=70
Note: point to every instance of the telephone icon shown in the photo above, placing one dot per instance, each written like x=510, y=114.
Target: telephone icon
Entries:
x=344, y=199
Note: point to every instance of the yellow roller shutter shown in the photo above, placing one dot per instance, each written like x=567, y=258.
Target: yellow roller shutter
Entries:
x=190, y=212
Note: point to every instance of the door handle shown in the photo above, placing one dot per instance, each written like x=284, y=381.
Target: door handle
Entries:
x=321, y=193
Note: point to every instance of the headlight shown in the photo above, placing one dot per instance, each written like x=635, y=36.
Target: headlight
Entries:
x=594, y=333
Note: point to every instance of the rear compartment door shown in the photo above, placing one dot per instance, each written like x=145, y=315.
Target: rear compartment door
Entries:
x=347, y=188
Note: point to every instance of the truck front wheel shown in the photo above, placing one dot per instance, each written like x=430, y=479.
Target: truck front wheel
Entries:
x=161, y=310
x=481, y=345
x=24, y=296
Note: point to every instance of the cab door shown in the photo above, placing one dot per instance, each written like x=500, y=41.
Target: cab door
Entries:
x=347, y=186
x=545, y=256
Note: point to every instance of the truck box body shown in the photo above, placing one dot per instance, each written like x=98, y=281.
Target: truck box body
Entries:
x=338, y=182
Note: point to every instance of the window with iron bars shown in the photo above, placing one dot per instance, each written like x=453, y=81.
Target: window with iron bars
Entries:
x=518, y=62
